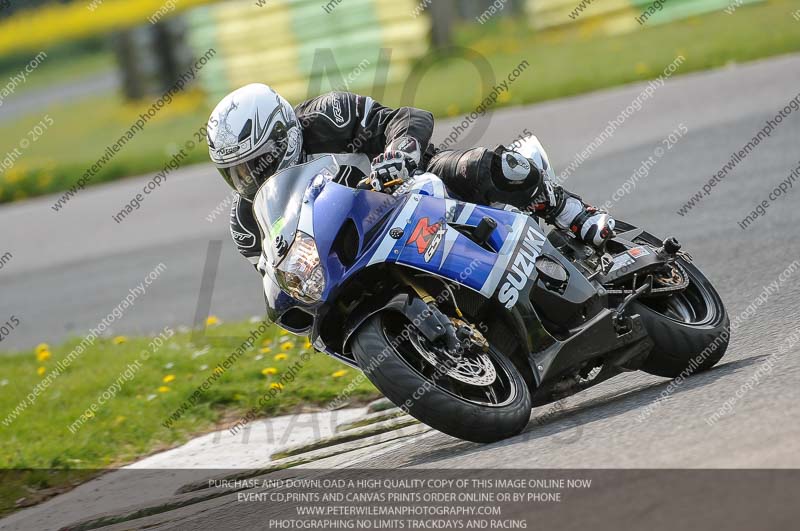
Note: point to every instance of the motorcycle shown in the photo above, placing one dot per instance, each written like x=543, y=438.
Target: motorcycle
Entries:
x=468, y=316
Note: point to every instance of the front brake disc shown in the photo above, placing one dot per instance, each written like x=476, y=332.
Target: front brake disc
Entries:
x=471, y=369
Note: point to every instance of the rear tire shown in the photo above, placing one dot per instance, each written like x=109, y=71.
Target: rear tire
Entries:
x=385, y=361
x=691, y=329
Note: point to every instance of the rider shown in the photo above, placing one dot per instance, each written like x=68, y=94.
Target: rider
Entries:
x=253, y=133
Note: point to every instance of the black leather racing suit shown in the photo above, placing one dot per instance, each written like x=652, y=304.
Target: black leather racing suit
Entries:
x=341, y=122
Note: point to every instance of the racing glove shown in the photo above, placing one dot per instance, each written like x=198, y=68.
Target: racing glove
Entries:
x=395, y=166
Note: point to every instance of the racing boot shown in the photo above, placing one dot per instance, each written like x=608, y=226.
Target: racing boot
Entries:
x=567, y=211
x=514, y=180
x=556, y=205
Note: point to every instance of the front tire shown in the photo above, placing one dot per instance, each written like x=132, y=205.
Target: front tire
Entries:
x=388, y=359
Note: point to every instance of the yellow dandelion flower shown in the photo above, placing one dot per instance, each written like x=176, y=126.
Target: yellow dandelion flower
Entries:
x=218, y=370
x=119, y=340
x=168, y=378
x=119, y=420
x=280, y=357
x=340, y=373
x=14, y=174
x=505, y=97
x=212, y=320
x=642, y=68
x=269, y=371
x=42, y=347
x=266, y=342
x=287, y=346
x=276, y=385
x=163, y=389
x=266, y=350
x=44, y=181
x=42, y=356
x=40, y=371
x=308, y=344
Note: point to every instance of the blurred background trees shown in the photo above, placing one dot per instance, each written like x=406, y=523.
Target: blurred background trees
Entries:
x=107, y=60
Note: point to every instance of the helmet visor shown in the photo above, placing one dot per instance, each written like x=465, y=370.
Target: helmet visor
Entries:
x=247, y=177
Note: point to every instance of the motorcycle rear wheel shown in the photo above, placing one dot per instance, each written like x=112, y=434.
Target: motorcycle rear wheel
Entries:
x=690, y=329
x=395, y=365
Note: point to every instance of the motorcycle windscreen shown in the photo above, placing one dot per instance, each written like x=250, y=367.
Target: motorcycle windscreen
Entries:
x=278, y=204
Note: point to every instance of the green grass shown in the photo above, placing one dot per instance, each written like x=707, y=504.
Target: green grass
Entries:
x=129, y=425
x=568, y=62
x=561, y=63
x=57, y=68
x=80, y=133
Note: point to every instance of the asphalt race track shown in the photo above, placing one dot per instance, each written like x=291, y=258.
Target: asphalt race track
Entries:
x=69, y=269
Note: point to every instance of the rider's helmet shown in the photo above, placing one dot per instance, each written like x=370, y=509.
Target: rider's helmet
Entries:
x=253, y=133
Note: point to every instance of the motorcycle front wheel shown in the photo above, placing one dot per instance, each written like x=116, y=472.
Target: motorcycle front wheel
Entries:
x=477, y=398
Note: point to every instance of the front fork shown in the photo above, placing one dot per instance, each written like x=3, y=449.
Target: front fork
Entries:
x=458, y=335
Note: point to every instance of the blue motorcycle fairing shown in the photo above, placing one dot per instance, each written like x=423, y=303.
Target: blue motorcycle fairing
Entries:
x=418, y=230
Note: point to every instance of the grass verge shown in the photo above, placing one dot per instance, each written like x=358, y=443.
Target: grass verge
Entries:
x=76, y=137
x=573, y=61
x=43, y=456
x=58, y=67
